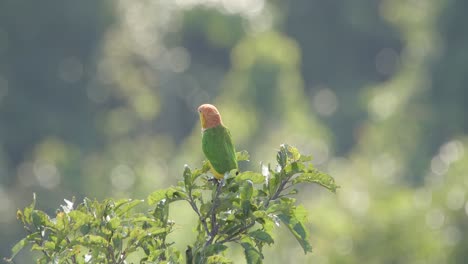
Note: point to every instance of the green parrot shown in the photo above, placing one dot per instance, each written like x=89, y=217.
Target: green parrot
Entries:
x=216, y=141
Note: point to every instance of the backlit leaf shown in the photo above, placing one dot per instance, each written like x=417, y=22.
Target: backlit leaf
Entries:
x=242, y=156
x=252, y=255
x=316, y=176
x=255, y=177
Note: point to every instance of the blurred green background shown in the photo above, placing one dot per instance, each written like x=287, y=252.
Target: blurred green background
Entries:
x=98, y=99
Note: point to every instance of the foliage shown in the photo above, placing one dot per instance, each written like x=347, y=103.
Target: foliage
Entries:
x=242, y=208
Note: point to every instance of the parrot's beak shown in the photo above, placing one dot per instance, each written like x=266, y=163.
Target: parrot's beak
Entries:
x=202, y=120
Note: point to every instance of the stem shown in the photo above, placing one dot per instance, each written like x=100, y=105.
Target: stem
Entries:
x=236, y=234
x=110, y=252
x=194, y=206
x=278, y=191
x=192, y=203
x=212, y=214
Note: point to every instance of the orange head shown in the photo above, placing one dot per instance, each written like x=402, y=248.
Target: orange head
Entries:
x=209, y=116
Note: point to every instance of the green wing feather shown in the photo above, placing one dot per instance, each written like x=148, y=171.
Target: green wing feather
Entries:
x=219, y=149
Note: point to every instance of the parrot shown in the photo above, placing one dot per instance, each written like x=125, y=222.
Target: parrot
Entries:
x=216, y=142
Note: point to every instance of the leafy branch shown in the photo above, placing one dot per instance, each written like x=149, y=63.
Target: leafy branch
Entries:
x=242, y=208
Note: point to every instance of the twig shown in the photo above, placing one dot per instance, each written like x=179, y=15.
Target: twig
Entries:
x=192, y=203
x=110, y=251
x=212, y=214
x=234, y=236
x=278, y=191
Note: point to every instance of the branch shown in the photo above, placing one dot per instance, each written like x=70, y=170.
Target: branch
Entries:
x=239, y=232
x=192, y=203
x=212, y=214
x=278, y=191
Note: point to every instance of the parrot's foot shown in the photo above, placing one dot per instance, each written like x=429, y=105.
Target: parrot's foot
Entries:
x=214, y=180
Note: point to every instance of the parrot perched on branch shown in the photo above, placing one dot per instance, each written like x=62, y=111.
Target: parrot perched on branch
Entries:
x=216, y=142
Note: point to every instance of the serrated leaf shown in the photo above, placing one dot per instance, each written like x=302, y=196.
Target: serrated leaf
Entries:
x=252, y=255
x=316, y=176
x=298, y=230
x=242, y=156
x=255, y=177
x=262, y=236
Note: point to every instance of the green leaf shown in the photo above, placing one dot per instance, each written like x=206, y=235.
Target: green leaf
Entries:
x=80, y=218
x=316, y=176
x=282, y=156
x=218, y=259
x=27, y=211
x=287, y=154
x=49, y=245
x=255, y=177
x=171, y=194
x=298, y=230
x=114, y=223
x=294, y=167
x=305, y=158
x=125, y=205
x=93, y=240
x=187, y=177
x=262, y=236
x=61, y=221
x=242, y=156
x=246, y=190
x=246, y=208
x=40, y=219
x=293, y=153
x=161, y=212
x=18, y=247
x=252, y=255
x=215, y=249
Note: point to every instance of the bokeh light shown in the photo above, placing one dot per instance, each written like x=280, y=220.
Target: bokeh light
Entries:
x=98, y=99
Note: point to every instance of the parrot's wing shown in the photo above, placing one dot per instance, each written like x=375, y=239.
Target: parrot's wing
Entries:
x=219, y=149
x=230, y=149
